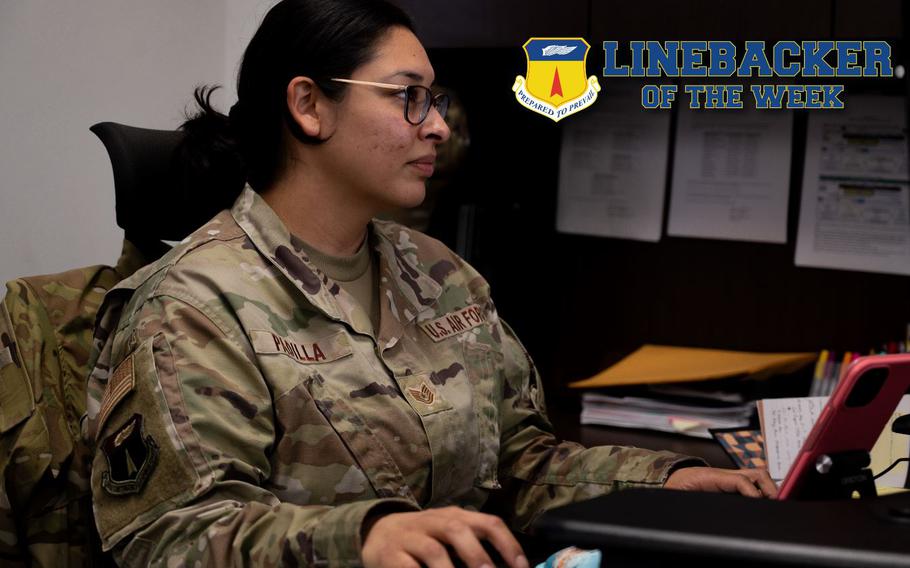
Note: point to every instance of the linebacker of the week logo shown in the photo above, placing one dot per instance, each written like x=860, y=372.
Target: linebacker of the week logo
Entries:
x=556, y=86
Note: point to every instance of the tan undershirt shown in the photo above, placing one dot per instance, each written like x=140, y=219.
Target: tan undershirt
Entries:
x=355, y=273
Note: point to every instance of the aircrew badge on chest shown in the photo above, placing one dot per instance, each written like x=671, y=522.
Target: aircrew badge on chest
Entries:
x=454, y=323
x=131, y=456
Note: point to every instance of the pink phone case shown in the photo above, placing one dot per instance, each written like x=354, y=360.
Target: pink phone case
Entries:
x=842, y=428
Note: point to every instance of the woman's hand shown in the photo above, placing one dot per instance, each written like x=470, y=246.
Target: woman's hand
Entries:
x=413, y=539
x=749, y=482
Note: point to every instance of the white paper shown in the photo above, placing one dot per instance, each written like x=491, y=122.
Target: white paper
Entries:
x=731, y=174
x=855, y=196
x=613, y=168
x=786, y=423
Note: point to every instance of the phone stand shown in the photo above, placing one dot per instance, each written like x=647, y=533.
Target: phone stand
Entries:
x=839, y=476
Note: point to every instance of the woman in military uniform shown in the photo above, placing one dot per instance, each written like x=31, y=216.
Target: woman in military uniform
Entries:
x=299, y=383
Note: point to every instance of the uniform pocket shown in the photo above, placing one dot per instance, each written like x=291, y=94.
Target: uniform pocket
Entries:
x=359, y=437
x=483, y=366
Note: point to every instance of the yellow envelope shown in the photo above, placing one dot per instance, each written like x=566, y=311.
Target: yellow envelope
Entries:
x=656, y=364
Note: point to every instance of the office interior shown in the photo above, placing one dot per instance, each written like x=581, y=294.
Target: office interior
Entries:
x=580, y=303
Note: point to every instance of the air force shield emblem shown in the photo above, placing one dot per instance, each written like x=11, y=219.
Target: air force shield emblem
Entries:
x=556, y=86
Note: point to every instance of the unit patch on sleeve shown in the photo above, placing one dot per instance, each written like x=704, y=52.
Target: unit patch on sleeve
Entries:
x=131, y=456
x=455, y=322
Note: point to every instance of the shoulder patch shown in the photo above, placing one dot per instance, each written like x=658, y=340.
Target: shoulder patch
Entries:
x=131, y=456
x=122, y=383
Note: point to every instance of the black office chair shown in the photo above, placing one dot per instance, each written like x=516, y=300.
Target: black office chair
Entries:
x=159, y=196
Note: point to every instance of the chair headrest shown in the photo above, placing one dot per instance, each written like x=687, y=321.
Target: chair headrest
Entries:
x=157, y=197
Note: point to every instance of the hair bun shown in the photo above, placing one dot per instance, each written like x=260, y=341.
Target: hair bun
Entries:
x=210, y=155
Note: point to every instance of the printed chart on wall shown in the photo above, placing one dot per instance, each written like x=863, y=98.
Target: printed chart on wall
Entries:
x=613, y=167
x=731, y=175
x=856, y=195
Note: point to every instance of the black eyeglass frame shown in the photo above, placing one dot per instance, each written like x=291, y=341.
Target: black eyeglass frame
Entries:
x=439, y=100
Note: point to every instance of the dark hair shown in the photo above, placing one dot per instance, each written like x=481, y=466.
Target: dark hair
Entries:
x=320, y=39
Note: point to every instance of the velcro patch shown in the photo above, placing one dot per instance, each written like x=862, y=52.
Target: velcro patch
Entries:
x=131, y=456
x=121, y=383
x=324, y=350
x=454, y=323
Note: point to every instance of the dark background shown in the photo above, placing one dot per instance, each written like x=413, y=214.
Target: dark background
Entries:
x=580, y=303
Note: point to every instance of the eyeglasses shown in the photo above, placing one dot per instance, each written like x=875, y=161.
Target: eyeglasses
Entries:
x=417, y=102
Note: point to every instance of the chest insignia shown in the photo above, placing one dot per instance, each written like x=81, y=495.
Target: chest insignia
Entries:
x=423, y=394
x=454, y=323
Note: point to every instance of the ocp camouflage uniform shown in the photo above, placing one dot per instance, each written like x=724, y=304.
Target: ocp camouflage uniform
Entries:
x=46, y=325
x=244, y=412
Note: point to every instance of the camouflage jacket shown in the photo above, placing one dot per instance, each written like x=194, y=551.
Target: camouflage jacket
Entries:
x=243, y=414
x=46, y=325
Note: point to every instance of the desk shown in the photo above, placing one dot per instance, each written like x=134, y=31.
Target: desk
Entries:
x=658, y=527
x=564, y=414
x=663, y=528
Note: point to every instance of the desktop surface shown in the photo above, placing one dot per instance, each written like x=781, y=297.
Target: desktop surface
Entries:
x=652, y=527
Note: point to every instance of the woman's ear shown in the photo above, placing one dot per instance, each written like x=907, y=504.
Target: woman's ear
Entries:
x=308, y=107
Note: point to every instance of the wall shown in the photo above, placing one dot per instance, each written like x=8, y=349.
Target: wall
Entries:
x=64, y=67
x=242, y=20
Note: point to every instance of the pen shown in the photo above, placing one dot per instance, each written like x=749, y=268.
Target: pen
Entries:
x=829, y=374
x=819, y=373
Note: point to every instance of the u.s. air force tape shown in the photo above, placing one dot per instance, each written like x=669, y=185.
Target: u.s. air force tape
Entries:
x=454, y=322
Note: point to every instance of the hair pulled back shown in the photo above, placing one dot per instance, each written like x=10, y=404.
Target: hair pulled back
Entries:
x=319, y=39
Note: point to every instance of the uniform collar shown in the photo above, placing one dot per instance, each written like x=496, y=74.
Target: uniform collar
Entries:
x=404, y=289
x=131, y=259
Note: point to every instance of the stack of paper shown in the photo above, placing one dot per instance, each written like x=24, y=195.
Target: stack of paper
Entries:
x=679, y=398
x=653, y=414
